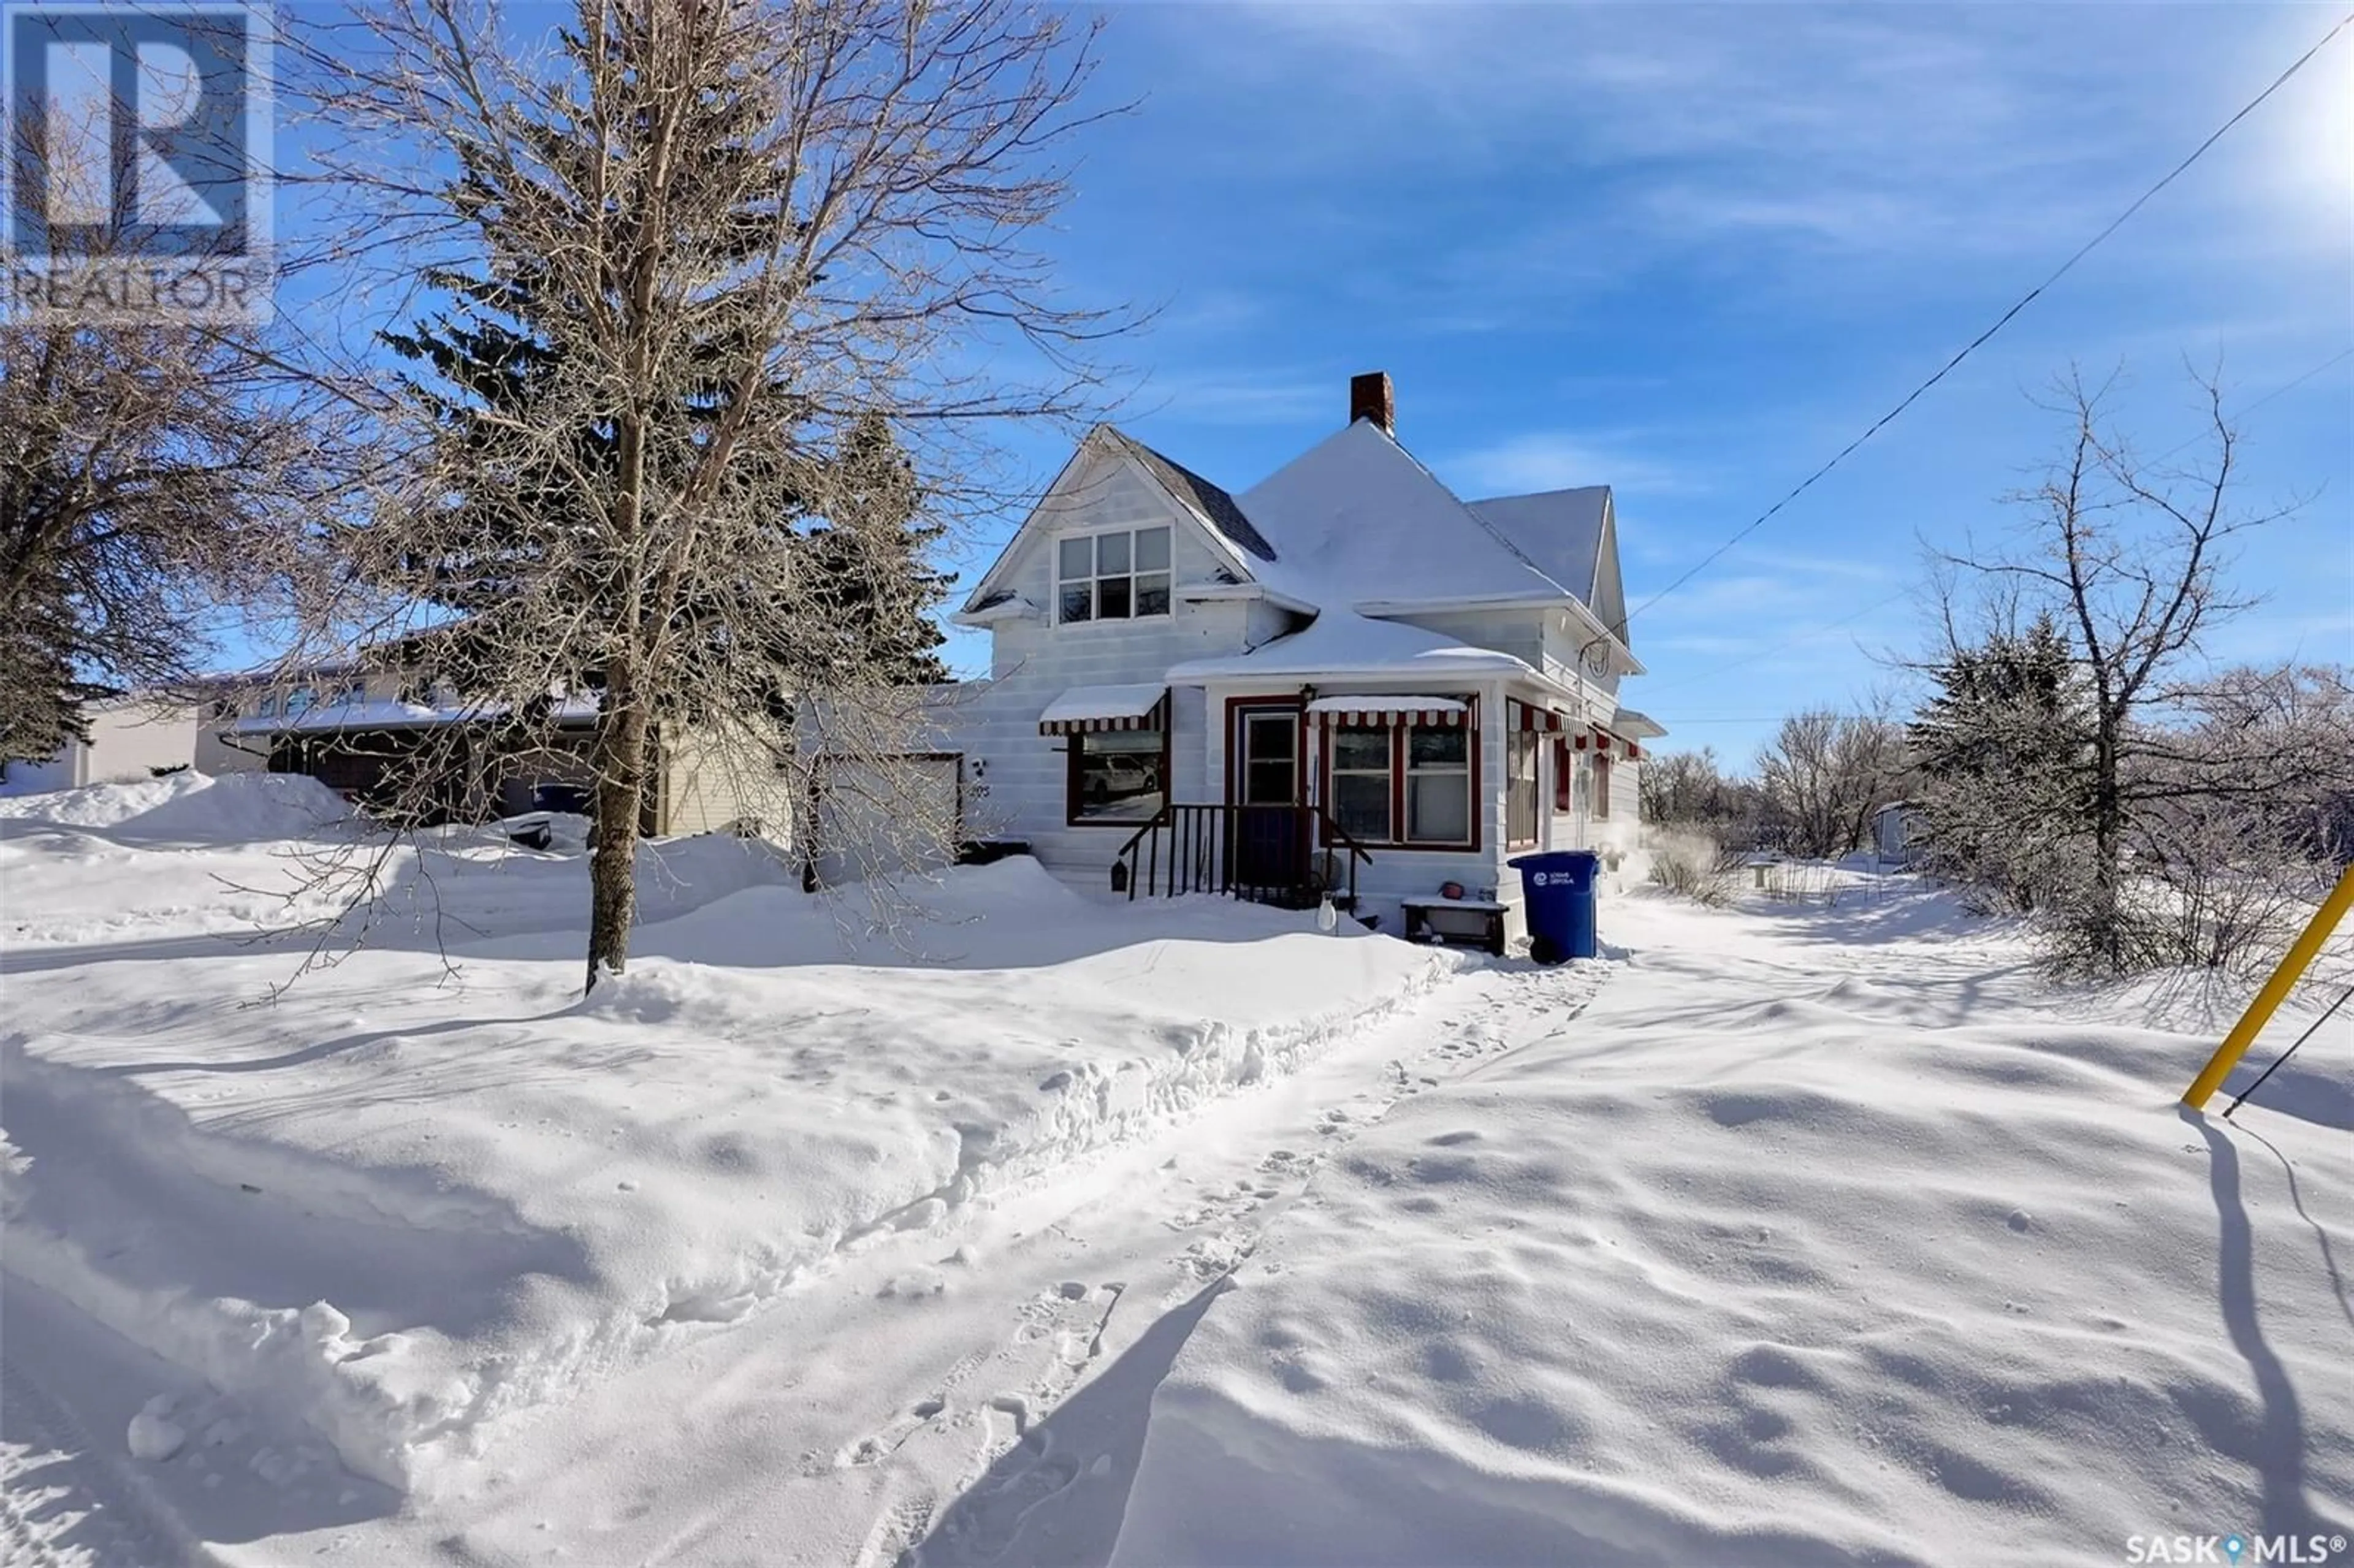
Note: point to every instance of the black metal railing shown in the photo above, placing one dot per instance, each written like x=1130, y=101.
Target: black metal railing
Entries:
x=1289, y=856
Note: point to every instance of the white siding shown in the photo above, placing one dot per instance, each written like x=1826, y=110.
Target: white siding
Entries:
x=1014, y=776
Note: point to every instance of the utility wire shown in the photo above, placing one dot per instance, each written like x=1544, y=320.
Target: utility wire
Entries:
x=1809, y=633
x=2004, y=320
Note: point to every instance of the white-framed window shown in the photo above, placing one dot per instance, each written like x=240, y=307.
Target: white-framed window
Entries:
x=1439, y=785
x=1111, y=577
x=1403, y=787
x=1361, y=782
x=298, y=702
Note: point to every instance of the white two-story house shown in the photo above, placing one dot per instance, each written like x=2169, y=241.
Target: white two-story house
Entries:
x=1343, y=678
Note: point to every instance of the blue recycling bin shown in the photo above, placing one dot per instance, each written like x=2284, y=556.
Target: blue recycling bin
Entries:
x=1559, y=886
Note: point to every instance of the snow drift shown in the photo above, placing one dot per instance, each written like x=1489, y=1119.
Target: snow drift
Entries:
x=1792, y=1251
x=403, y=1200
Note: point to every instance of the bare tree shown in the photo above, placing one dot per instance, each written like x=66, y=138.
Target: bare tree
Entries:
x=1826, y=771
x=155, y=479
x=2127, y=557
x=693, y=258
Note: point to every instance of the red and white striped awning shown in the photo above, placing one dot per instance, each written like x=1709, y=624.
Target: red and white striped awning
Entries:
x=1085, y=708
x=1383, y=709
x=1607, y=745
x=1521, y=715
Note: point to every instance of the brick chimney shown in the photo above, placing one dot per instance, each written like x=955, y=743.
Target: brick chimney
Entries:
x=1370, y=397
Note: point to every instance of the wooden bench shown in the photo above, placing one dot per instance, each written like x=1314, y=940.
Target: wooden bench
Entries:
x=1477, y=921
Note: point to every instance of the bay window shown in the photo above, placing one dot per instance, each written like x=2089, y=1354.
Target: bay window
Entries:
x=1112, y=576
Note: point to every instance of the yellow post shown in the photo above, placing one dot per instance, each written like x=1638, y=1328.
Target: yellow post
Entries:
x=2260, y=1012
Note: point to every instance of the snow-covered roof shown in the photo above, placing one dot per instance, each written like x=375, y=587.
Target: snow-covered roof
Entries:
x=329, y=718
x=1355, y=517
x=1339, y=643
x=1636, y=726
x=1081, y=704
x=1560, y=530
x=1212, y=505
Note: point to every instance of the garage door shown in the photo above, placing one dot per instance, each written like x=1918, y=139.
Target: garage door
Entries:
x=907, y=814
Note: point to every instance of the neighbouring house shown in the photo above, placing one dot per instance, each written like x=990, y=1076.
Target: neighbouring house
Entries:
x=354, y=727
x=133, y=735
x=1344, y=676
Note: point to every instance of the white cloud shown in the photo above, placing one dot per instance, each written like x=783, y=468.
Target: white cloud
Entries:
x=1236, y=398
x=1551, y=459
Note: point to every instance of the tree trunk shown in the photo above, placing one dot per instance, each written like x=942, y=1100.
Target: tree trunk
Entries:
x=620, y=755
x=2109, y=822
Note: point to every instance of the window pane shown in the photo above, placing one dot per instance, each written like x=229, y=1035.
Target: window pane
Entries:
x=1362, y=749
x=1079, y=600
x=1118, y=776
x=1152, y=594
x=1152, y=549
x=1361, y=804
x=1438, y=807
x=1111, y=553
x=1079, y=558
x=1111, y=599
x=1601, y=788
x=1442, y=747
x=1520, y=789
x=1270, y=781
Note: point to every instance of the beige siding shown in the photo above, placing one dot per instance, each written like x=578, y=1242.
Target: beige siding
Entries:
x=713, y=782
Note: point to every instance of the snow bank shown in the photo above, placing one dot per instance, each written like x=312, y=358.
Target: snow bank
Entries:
x=189, y=807
x=1797, y=1249
x=404, y=1200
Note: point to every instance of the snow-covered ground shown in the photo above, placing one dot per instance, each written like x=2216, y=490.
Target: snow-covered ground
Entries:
x=1043, y=1226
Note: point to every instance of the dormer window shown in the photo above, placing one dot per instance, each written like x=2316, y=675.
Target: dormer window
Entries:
x=1112, y=576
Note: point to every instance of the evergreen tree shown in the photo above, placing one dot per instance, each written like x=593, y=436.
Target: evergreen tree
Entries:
x=2003, y=751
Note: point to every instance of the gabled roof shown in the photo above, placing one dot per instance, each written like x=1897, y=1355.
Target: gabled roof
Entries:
x=1229, y=531
x=1355, y=518
x=1356, y=527
x=1215, y=505
x=1560, y=530
x=1572, y=535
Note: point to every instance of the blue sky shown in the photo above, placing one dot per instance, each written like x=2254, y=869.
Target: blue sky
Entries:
x=1692, y=251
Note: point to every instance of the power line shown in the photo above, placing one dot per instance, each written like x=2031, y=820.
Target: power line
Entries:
x=2004, y=320
x=2286, y=386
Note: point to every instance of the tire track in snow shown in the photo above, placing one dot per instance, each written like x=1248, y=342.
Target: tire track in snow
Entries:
x=62, y=1503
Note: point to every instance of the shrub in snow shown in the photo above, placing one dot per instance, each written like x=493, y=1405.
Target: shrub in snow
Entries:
x=1694, y=864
